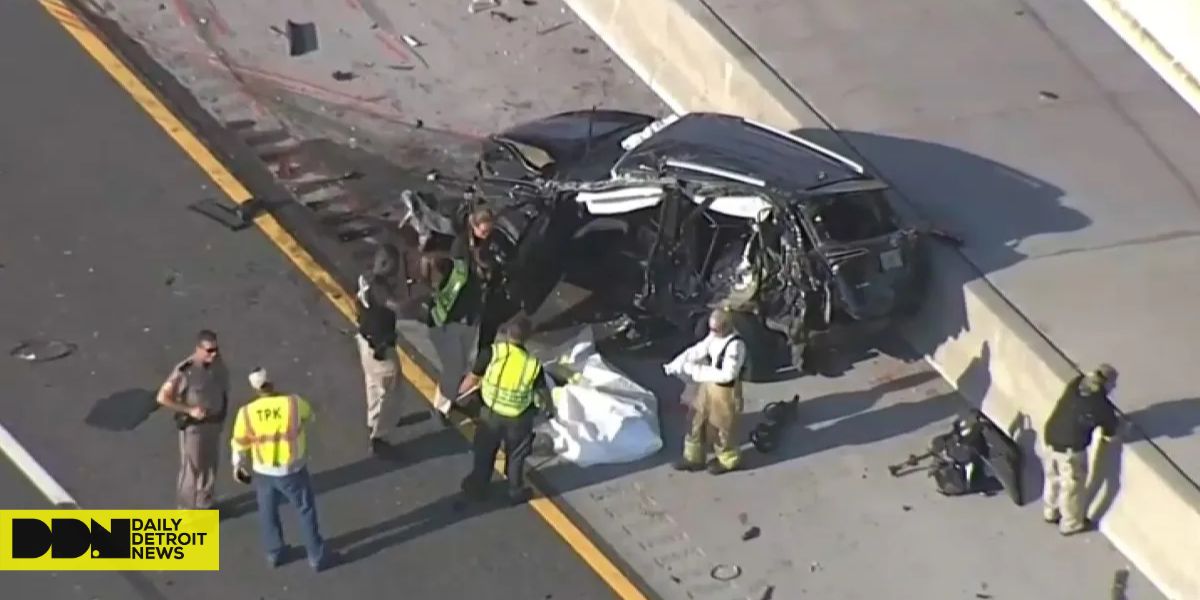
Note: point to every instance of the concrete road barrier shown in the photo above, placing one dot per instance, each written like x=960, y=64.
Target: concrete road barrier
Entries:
x=1165, y=33
x=971, y=334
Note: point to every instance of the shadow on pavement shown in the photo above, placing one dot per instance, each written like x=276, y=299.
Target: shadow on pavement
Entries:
x=428, y=446
x=448, y=510
x=123, y=410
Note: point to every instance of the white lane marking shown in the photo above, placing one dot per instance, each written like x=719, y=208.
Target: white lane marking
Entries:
x=33, y=471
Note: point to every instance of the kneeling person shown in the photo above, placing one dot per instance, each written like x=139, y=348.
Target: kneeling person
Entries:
x=513, y=388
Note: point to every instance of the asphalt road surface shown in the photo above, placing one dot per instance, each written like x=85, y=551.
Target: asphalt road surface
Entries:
x=98, y=250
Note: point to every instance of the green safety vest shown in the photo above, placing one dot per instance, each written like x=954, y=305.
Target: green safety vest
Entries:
x=448, y=294
x=508, y=383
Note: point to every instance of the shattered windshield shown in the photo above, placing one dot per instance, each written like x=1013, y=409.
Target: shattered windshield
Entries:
x=852, y=216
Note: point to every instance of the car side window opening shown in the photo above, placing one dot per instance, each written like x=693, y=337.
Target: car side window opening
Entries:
x=852, y=217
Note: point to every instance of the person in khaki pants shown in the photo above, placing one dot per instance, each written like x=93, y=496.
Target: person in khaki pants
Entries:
x=716, y=364
x=1083, y=407
x=197, y=391
x=376, y=339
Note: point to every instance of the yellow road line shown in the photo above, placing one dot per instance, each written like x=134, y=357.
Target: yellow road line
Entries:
x=81, y=30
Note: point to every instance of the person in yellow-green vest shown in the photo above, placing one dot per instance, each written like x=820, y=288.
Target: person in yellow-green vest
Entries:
x=270, y=450
x=513, y=389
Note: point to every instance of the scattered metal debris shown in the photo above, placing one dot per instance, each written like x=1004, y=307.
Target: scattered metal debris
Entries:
x=412, y=41
x=725, y=572
x=579, y=50
x=42, y=350
x=814, y=567
x=768, y=593
x=481, y=5
x=751, y=534
x=344, y=75
x=401, y=67
x=302, y=37
x=553, y=28
x=278, y=31
x=503, y=16
x=1046, y=95
x=236, y=217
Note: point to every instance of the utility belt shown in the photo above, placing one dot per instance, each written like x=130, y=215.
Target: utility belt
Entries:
x=183, y=421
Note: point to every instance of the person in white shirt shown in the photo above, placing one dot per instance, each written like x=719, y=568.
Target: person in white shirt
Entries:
x=715, y=364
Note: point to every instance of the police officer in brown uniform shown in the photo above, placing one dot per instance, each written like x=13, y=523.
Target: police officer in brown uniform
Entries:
x=197, y=390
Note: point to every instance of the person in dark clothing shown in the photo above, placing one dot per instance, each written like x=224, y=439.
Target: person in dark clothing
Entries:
x=512, y=387
x=1083, y=407
x=377, y=337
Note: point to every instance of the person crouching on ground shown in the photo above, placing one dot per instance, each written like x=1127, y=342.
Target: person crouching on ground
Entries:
x=715, y=364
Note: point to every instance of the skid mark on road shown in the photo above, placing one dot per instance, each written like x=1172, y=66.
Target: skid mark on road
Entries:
x=237, y=192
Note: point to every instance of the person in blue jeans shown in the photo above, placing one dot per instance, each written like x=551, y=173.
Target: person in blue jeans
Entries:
x=270, y=449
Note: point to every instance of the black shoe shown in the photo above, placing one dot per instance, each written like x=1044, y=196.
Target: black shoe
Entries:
x=379, y=447
x=520, y=496
x=329, y=560
x=1087, y=526
x=716, y=468
x=688, y=466
x=472, y=491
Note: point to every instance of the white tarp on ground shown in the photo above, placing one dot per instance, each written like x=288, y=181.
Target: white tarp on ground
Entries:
x=603, y=417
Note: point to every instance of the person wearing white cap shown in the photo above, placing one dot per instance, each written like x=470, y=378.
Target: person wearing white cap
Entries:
x=270, y=440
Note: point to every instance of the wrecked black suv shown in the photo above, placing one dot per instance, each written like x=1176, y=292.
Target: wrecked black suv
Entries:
x=664, y=219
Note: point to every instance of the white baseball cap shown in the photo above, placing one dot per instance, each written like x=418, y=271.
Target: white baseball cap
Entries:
x=258, y=378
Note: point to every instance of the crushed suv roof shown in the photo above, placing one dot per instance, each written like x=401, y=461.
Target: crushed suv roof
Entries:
x=750, y=151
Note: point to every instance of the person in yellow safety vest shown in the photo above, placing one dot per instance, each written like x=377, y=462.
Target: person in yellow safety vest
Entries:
x=716, y=364
x=270, y=437
x=513, y=388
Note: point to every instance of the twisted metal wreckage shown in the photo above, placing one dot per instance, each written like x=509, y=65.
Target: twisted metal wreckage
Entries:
x=662, y=220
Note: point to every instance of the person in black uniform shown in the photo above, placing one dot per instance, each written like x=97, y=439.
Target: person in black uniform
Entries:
x=1083, y=407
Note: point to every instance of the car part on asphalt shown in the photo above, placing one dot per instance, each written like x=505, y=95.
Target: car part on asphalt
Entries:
x=42, y=350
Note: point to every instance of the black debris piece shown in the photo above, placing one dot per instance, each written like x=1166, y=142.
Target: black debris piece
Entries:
x=768, y=593
x=906, y=508
x=676, y=579
x=1045, y=95
x=276, y=29
x=420, y=124
x=553, y=28
x=401, y=67
x=983, y=596
x=235, y=217
x=529, y=2
x=578, y=50
x=344, y=75
x=725, y=572
x=776, y=416
x=170, y=280
x=42, y=350
x=503, y=16
x=374, y=25
x=751, y=533
x=1020, y=13
x=302, y=37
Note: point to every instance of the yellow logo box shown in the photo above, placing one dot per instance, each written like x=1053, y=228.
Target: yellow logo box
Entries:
x=110, y=540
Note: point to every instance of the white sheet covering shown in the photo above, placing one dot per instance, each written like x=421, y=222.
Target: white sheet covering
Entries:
x=603, y=417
